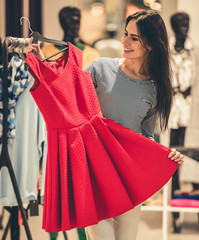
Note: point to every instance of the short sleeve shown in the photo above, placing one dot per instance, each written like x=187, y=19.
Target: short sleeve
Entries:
x=92, y=70
x=96, y=70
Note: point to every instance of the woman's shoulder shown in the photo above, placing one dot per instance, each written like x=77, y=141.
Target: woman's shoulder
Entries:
x=106, y=60
x=102, y=63
x=105, y=63
x=101, y=67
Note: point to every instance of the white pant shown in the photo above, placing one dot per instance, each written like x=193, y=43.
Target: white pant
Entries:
x=123, y=227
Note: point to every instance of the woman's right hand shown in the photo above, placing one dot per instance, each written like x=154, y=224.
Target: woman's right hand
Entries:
x=35, y=48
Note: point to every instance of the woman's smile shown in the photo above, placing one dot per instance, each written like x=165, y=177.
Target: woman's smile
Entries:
x=128, y=50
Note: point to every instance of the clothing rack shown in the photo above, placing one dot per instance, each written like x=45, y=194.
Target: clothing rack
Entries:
x=10, y=43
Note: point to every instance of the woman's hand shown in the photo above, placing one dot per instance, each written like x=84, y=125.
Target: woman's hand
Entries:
x=35, y=48
x=176, y=156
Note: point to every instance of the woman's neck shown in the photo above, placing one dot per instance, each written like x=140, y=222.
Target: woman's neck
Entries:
x=134, y=68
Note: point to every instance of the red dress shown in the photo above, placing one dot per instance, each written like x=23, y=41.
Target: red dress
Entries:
x=96, y=168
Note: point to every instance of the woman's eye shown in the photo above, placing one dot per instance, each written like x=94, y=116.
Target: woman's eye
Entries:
x=125, y=34
x=135, y=39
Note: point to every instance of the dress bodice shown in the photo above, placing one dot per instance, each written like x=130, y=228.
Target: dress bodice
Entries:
x=62, y=89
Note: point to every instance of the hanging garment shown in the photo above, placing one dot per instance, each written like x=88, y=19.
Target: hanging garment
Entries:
x=18, y=80
x=185, y=71
x=25, y=151
x=96, y=168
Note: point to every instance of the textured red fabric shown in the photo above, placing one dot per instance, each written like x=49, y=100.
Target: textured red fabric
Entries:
x=96, y=168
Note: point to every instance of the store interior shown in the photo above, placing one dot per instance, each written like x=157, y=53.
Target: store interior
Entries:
x=102, y=23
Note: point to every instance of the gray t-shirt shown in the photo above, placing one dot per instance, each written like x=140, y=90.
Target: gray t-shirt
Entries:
x=125, y=100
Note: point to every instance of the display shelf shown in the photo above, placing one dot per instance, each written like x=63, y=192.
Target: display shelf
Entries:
x=166, y=210
x=182, y=209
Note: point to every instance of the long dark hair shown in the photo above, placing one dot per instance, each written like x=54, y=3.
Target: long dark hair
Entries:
x=153, y=35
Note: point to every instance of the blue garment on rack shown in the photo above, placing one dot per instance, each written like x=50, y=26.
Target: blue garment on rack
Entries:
x=25, y=151
x=18, y=80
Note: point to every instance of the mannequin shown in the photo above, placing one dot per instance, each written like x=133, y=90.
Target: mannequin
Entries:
x=180, y=26
x=69, y=18
x=109, y=46
x=182, y=90
x=184, y=69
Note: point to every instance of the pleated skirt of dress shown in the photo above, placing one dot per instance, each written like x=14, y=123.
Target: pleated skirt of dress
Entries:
x=103, y=170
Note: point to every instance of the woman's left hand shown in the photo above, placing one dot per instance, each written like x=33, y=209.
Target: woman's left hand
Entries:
x=176, y=156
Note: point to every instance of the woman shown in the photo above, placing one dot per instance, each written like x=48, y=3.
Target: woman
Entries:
x=133, y=91
x=145, y=65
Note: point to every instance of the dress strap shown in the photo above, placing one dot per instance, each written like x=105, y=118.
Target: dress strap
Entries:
x=35, y=65
x=75, y=54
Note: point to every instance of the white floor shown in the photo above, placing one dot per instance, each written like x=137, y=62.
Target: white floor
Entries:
x=149, y=228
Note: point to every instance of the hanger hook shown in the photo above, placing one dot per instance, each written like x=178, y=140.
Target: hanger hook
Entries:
x=28, y=23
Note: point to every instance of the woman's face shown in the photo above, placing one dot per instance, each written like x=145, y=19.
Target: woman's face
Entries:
x=133, y=49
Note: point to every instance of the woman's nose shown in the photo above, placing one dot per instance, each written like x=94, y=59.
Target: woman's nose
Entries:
x=125, y=41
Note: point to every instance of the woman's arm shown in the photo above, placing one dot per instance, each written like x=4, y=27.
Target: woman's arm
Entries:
x=148, y=126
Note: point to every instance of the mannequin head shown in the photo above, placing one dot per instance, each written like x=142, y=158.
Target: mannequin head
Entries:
x=69, y=18
x=111, y=30
x=180, y=25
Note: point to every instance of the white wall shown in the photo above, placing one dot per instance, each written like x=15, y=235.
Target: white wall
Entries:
x=51, y=8
x=52, y=29
x=2, y=18
x=25, y=25
x=91, y=27
x=169, y=7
